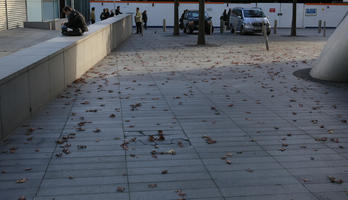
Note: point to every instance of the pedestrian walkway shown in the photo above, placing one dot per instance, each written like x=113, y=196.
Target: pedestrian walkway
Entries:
x=164, y=119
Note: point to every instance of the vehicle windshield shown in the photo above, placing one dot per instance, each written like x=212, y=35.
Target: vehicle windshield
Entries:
x=196, y=15
x=253, y=13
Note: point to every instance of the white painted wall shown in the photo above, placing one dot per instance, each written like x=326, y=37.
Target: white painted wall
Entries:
x=333, y=15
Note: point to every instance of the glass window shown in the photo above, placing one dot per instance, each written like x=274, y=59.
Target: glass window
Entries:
x=196, y=15
x=253, y=13
x=50, y=10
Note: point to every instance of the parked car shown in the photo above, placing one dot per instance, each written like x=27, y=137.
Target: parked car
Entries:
x=189, y=21
x=249, y=20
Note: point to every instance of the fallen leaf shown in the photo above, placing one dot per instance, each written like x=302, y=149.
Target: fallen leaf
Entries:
x=120, y=189
x=97, y=130
x=335, y=140
x=208, y=140
x=23, y=180
x=81, y=146
x=154, y=185
x=335, y=180
x=322, y=139
x=13, y=149
x=172, y=151
x=250, y=170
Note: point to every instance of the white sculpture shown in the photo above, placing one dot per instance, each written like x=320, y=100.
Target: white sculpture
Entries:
x=333, y=61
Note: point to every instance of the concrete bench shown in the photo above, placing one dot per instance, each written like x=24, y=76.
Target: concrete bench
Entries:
x=32, y=77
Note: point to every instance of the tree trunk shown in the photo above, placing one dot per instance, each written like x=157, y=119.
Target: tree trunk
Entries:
x=176, y=17
x=201, y=31
x=294, y=13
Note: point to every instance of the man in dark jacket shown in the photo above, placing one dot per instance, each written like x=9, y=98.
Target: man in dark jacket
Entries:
x=102, y=15
x=145, y=19
x=76, y=24
x=118, y=10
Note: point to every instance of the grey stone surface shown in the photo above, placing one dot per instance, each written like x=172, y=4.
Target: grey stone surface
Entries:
x=277, y=137
x=20, y=38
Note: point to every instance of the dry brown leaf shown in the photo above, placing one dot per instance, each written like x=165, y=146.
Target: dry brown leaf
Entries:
x=335, y=180
x=154, y=185
x=120, y=189
x=22, y=180
x=22, y=198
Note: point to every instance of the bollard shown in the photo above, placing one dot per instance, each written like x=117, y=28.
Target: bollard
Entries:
x=319, y=26
x=222, y=24
x=324, y=30
x=164, y=25
x=264, y=31
x=275, y=26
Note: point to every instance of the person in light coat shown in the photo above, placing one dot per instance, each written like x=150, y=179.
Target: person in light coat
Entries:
x=138, y=21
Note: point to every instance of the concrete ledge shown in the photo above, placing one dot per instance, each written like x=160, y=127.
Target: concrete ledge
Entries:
x=32, y=77
x=49, y=25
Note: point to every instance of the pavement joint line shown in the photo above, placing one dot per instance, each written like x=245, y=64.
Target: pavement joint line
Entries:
x=184, y=132
x=122, y=124
x=55, y=148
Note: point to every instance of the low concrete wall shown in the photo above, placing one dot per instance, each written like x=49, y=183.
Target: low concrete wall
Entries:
x=49, y=25
x=32, y=77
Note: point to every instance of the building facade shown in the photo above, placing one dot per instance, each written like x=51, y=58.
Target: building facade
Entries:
x=14, y=12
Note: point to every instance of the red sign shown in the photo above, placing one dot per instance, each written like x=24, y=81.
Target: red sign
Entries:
x=272, y=10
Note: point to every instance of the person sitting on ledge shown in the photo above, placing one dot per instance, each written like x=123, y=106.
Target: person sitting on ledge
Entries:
x=76, y=24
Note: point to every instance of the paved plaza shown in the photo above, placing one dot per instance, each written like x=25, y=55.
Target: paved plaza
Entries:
x=163, y=119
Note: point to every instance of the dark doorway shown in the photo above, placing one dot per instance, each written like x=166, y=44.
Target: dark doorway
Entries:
x=61, y=6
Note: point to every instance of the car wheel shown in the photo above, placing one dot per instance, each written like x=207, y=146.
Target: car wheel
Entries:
x=187, y=29
x=242, y=30
x=190, y=30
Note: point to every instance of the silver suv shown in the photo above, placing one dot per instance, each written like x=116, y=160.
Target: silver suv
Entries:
x=248, y=20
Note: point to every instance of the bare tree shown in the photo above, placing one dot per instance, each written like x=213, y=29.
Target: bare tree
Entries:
x=201, y=31
x=294, y=13
x=176, y=17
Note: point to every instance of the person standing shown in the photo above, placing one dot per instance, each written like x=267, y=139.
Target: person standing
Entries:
x=224, y=17
x=93, y=15
x=145, y=19
x=118, y=11
x=102, y=15
x=228, y=18
x=107, y=13
x=138, y=21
